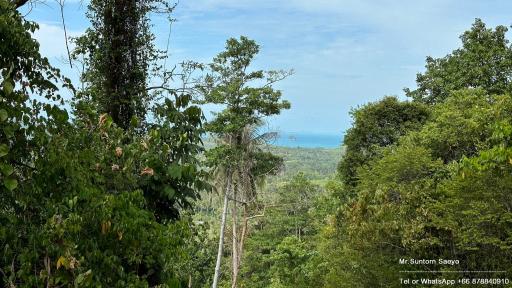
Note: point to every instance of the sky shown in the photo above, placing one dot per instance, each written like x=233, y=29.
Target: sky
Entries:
x=345, y=53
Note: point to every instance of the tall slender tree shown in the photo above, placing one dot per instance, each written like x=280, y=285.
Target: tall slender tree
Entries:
x=120, y=54
x=240, y=154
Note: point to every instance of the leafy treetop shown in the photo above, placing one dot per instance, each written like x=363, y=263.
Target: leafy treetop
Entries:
x=484, y=61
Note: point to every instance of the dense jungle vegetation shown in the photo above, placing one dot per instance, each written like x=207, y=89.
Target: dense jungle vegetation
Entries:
x=115, y=186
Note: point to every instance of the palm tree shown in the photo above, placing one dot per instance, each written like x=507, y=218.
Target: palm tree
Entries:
x=239, y=178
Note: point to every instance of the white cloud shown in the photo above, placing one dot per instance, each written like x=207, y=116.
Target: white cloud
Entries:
x=345, y=52
x=53, y=46
x=52, y=40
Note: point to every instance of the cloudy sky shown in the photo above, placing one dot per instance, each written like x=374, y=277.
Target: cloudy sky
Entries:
x=344, y=52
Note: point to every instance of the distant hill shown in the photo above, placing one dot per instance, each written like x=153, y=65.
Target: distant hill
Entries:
x=308, y=140
x=316, y=163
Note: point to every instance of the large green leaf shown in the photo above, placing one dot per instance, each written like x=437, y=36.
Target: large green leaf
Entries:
x=4, y=150
x=3, y=115
x=6, y=169
x=8, y=87
x=10, y=183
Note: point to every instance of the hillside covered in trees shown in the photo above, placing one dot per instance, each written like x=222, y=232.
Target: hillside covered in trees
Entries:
x=108, y=182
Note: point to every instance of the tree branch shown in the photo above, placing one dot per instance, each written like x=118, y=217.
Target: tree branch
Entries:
x=19, y=3
x=235, y=200
x=265, y=208
x=61, y=4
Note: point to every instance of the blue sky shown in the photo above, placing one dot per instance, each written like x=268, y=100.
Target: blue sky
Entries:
x=344, y=52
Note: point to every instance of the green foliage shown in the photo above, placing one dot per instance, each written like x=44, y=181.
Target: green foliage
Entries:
x=23, y=71
x=240, y=146
x=484, y=61
x=239, y=159
x=119, y=56
x=391, y=211
x=430, y=195
x=463, y=124
x=438, y=190
x=103, y=197
x=102, y=211
x=377, y=125
x=281, y=251
x=316, y=163
x=290, y=267
x=228, y=84
x=83, y=202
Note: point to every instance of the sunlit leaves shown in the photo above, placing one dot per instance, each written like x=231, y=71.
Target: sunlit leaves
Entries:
x=377, y=125
x=483, y=61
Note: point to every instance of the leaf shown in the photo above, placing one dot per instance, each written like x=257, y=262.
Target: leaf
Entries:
x=83, y=277
x=4, y=150
x=109, y=122
x=105, y=227
x=61, y=262
x=60, y=115
x=193, y=111
x=169, y=192
x=8, y=86
x=6, y=169
x=3, y=115
x=174, y=171
x=8, y=131
x=134, y=122
x=10, y=183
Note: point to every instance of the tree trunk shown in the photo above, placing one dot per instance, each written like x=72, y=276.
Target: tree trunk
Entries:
x=234, y=252
x=123, y=76
x=221, y=236
x=243, y=236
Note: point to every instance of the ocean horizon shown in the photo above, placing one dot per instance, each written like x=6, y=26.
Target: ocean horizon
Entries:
x=308, y=140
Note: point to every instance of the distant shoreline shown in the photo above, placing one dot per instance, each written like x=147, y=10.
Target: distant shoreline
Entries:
x=308, y=140
x=303, y=140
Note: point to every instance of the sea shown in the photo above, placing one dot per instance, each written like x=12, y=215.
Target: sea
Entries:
x=308, y=140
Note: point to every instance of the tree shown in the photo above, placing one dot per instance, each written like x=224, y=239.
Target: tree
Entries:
x=436, y=193
x=377, y=125
x=239, y=154
x=119, y=57
x=282, y=248
x=84, y=203
x=118, y=53
x=460, y=126
x=484, y=61
x=436, y=189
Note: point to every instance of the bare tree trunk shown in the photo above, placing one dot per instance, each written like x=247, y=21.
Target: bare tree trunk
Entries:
x=221, y=237
x=234, y=252
x=243, y=236
x=245, y=192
